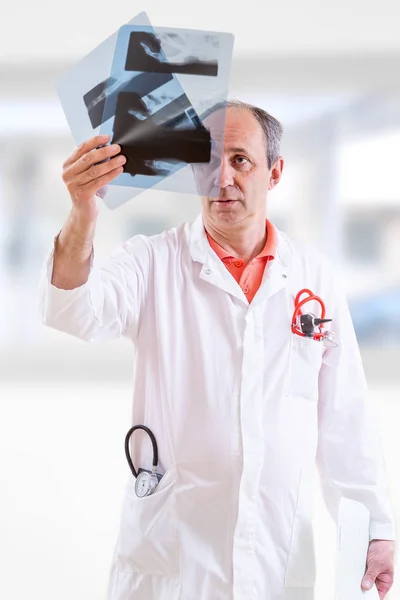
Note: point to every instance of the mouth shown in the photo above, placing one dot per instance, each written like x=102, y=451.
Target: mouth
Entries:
x=225, y=200
x=226, y=204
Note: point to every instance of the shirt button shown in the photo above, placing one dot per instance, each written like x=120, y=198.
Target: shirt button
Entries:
x=238, y=263
x=246, y=290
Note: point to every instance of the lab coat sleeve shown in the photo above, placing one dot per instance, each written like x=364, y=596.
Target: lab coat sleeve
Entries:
x=109, y=304
x=349, y=456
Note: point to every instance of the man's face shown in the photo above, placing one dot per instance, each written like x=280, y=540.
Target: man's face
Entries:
x=239, y=188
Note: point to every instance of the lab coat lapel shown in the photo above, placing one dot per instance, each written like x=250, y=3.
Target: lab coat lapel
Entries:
x=213, y=270
x=276, y=274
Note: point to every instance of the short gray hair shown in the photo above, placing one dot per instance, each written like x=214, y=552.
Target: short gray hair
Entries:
x=272, y=128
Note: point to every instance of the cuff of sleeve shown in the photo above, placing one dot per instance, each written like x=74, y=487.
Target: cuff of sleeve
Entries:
x=53, y=299
x=378, y=531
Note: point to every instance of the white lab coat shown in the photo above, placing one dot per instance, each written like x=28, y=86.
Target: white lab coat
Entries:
x=241, y=409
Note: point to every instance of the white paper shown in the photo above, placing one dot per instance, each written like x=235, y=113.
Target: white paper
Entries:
x=352, y=547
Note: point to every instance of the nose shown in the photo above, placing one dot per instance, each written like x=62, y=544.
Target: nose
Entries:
x=224, y=176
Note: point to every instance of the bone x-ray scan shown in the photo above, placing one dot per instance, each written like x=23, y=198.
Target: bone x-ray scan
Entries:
x=149, y=90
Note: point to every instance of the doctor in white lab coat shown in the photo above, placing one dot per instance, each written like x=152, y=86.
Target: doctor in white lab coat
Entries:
x=241, y=407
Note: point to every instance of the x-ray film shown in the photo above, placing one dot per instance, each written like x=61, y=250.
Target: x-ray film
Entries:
x=160, y=93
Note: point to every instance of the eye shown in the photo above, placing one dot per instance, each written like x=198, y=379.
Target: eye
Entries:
x=241, y=160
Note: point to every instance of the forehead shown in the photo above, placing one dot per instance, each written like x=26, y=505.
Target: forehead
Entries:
x=241, y=129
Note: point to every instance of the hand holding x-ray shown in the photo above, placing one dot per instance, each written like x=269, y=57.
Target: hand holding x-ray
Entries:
x=88, y=170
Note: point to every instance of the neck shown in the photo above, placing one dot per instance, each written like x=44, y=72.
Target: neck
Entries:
x=241, y=242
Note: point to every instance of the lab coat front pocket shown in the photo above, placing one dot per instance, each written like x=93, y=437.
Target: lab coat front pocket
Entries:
x=300, y=567
x=144, y=587
x=305, y=359
x=148, y=539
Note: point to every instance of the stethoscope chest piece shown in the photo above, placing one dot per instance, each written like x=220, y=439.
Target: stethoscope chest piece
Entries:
x=307, y=325
x=145, y=483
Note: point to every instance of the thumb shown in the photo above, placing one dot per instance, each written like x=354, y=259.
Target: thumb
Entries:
x=368, y=581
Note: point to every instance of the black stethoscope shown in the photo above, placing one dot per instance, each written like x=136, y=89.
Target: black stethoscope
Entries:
x=146, y=481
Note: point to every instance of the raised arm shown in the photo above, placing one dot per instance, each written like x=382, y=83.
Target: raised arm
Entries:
x=83, y=179
x=92, y=298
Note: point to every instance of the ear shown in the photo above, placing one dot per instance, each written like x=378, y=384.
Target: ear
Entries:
x=276, y=173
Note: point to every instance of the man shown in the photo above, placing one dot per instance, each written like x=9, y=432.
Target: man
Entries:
x=241, y=407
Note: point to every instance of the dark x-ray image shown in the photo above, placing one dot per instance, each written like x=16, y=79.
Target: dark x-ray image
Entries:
x=145, y=54
x=95, y=99
x=145, y=110
x=173, y=133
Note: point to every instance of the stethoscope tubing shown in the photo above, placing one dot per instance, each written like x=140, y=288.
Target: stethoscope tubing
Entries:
x=127, y=450
x=298, y=306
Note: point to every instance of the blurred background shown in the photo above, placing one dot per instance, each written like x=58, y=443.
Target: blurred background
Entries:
x=330, y=73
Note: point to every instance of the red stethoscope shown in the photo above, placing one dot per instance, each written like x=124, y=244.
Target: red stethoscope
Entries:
x=307, y=324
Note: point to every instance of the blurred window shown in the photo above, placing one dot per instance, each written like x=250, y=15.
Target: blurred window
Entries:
x=362, y=238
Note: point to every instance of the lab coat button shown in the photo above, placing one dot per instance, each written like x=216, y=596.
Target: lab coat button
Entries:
x=207, y=271
x=284, y=275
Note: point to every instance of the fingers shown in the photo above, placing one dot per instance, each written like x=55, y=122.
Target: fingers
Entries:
x=90, y=159
x=90, y=167
x=96, y=171
x=367, y=582
x=85, y=147
x=92, y=187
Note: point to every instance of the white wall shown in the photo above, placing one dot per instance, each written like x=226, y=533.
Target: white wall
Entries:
x=42, y=30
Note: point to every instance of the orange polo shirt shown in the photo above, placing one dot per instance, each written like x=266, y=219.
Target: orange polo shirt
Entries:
x=248, y=276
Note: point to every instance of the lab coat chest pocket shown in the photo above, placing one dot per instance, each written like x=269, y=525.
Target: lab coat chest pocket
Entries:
x=304, y=363
x=148, y=541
